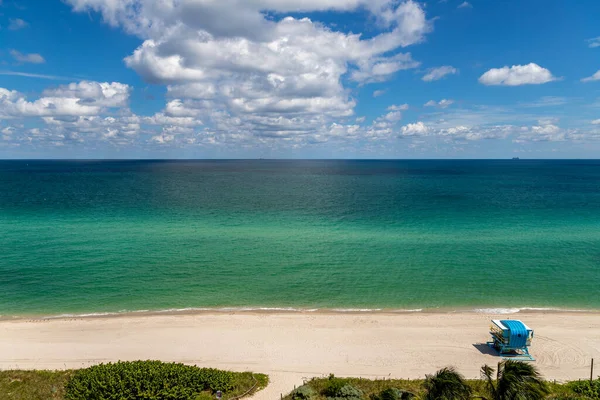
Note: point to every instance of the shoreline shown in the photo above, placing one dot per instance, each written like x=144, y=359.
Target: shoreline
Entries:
x=499, y=311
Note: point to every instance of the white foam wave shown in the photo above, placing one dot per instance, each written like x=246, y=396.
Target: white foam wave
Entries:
x=497, y=310
x=552, y=309
x=523, y=309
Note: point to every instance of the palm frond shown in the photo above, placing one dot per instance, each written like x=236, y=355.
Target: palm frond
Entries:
x=446, y=384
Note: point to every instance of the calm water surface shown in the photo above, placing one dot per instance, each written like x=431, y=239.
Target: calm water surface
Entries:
x=110, y=236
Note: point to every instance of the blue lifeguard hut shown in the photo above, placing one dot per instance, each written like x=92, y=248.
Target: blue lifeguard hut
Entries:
x=511, y=338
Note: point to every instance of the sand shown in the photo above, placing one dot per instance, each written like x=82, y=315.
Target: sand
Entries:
x=291, y=347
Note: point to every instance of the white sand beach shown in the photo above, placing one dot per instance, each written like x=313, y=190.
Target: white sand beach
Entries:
x=293, y=346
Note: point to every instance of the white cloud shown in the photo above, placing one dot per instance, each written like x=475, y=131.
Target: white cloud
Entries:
x=378, y=93
x=444, y=103
x=465, y=4
x=434, y=74
x=379, y=69
x=596, y=122
x=101, y=94
x=195, y=90
x=16, y=24
x=163, y=138
x=7, y=130
x=76, y=99
x=416, y=129
x=262, y=77
x=401, y=107
x=117, y=130
x=546, y=133
x=530, y=74
x=163, y=119
x=595, y=77
x=545, y=129
x=393, y=116
x=594, y=42
x=33, y=58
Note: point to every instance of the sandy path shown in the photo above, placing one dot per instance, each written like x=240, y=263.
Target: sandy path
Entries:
x=290, y=347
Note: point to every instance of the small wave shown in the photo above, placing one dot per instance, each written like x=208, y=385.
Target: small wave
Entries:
x=552, y=309
x=524, y=309
x=235, y=309
x=497, y=310
x=191, y=310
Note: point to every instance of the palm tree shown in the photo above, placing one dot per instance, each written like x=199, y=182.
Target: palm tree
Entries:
x=446, y=384
x=516, y=380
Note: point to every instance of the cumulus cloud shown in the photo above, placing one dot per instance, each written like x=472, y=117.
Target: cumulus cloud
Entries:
x=33, y=58
x=378, y=93
x=596, y=122
x=465, y=4
x=435, y=74
x=530, y=74
x=257, y=75
x=101, y=94
x=416, y=129
x=399, y=107
x=548, y=130
x=76, y=99
x=485, y=132
x=545, y=133
x=595, y=77
x=393, y=116
x=593, y=42
x=15, y=24
x=444, y=103
x=117, y=130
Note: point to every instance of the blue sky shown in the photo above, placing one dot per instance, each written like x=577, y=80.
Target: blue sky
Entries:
x=299, y=78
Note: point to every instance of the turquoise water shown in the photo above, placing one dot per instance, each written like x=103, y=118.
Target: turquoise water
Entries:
x=110, y=236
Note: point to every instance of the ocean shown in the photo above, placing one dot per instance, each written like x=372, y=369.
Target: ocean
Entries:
x=94, y=237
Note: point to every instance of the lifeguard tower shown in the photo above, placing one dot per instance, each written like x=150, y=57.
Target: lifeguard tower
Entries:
x=511, y=339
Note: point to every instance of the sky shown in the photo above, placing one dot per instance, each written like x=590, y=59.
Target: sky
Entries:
x=299, y=79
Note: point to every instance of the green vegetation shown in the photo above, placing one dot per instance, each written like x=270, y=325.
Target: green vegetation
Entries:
x=586, y=389
x=446, y=384
x=33, y=385
x=148, y=380
x=514, y=381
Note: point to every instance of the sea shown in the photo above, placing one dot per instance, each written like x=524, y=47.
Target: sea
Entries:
x=108, y=237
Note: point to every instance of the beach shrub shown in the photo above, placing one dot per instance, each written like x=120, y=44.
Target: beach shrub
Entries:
x=586, y=388
x=350, y=392
x=204, y=396
x=347, y=392
x=333, y=386
x=567, y=397
x=304, y=392
x=393, y=394
x=148, y=380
